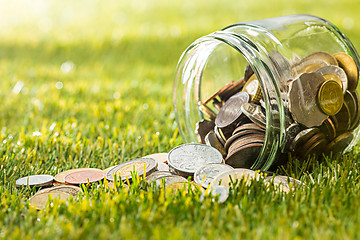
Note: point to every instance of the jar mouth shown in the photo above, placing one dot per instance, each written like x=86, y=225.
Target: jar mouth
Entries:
x=196, y=73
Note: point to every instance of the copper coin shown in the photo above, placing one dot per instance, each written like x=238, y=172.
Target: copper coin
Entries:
x=85, y=176
x=328, y=128
x=219, y=92
x=316, y=149
x=232, y=90
x=35, y=181
x=231, y=112
x=60, y=177
x=339, y=144
x=248, y=126
x=245, y=156
x=302, y=137
x=159, y=157
x=313, y=142
x=344, y=119
x=202, y=128
x=259, y=138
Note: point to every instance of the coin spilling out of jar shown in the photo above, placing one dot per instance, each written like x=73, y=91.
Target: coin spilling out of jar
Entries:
x=319, y=93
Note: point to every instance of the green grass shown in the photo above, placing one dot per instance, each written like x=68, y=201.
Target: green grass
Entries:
x=116, y=104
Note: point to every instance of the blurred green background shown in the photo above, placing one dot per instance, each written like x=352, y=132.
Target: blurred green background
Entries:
x=105, y=61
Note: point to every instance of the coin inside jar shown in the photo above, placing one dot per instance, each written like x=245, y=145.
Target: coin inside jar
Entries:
x=347, y=63
x=330, y=97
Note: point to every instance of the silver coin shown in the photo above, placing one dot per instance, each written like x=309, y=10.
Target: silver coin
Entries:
x=230, y=112
x=187, y=158
x=338, y=71
x=125, y=169
x=290, y=182
x=157, y=174
x=302, y=99
x=162, y=167
x=217, y=191
x=225, y=178
x=206, y=174
x=167, y=180
x=254, y=113
x=35, y=180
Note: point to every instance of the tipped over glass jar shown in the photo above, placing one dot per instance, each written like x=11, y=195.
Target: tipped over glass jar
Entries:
x=259, y=90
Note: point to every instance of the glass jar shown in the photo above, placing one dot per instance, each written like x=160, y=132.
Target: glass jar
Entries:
x=284, y=55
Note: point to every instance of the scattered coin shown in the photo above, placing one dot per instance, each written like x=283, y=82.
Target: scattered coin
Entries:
x=159, y=157
x=226, y=178
x=60, y=177
x=140, y=165
x=187, y=158
x=35, y=181
x=167, y=180
x=162, y=167
x=72, y=190
x=157, y=174
x=39, y=200
x=219, y=191
x=206, y=174
x=85, y=176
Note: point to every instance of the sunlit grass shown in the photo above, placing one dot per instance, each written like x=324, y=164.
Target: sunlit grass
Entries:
x=89, y=84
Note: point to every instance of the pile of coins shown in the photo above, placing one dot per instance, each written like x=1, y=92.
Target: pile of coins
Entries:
x=197, y=166
x=319, y=98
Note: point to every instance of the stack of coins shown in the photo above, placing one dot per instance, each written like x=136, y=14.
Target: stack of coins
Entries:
x=319, y=98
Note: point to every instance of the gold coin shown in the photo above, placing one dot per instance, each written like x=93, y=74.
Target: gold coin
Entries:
x=252, y=87
x=347, y=63
x=175, y=186
x=39, y=200
x=330, y=97
x=60, y=177
x=333, y=77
